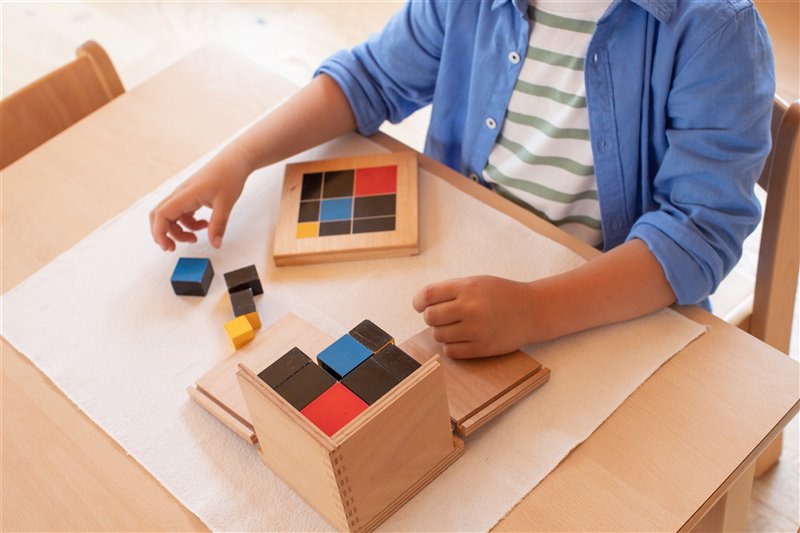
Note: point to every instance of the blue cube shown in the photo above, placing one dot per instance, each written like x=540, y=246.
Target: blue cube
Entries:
x=192, y=276
x=343, y=356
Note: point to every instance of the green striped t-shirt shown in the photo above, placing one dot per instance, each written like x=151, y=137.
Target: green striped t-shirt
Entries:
x=542, y=159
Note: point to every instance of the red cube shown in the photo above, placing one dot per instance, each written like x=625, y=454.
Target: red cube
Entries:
x=334, y=408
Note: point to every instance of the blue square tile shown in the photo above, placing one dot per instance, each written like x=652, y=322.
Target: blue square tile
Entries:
x=343, y=356
x=338, y=209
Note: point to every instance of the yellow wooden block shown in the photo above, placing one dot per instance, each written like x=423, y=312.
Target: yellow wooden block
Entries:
x=240, y=330
x=254, y=319
x=307, y=229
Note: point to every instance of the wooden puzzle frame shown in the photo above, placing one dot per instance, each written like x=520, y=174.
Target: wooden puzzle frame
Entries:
x=289, y=249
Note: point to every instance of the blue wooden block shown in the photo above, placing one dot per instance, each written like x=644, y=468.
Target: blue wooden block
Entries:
x=343, y=356
x=192, y=276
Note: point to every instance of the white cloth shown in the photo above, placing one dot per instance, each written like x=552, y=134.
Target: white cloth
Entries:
x=102, y=322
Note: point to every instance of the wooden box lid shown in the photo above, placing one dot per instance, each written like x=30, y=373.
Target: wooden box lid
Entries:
x=477, y=389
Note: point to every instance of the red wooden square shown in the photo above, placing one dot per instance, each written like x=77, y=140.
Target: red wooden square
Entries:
x=334, y=408
x=376, y=180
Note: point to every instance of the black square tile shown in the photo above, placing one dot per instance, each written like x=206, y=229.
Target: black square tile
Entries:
x=375, y=206
x=309, y=211
x=370, y=225
x=338, y=183
x=312, y=186
x=339, y=227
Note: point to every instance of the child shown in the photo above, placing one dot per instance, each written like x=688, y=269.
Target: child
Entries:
x=642, y=125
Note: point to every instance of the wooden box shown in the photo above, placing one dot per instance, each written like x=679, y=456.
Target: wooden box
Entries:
x=367, y=470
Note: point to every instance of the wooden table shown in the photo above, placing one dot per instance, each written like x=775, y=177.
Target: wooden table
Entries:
x=682, y=445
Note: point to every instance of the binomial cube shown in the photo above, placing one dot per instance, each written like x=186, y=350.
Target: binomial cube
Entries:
x=305, y=385
x=242, y=278
x=192, y=276
x=397, y=362
x=244, y=304
x=284, y=367
x=369, y=381
x=371, y=336
x=333, y=409
x=240, y=331
x=342, y=356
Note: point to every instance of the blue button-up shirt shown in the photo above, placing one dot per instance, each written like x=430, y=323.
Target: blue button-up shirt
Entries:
x=679, y=96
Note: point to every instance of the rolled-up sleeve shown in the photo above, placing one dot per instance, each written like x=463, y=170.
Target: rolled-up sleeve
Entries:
x=718, y=136
x=394, y=72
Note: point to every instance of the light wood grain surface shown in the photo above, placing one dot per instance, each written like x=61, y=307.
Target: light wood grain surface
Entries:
x=660, y=462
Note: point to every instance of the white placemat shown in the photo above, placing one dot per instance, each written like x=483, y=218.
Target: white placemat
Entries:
x=102, y=322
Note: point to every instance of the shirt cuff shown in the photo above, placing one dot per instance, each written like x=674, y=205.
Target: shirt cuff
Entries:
x=693, y=269
x=353, y=79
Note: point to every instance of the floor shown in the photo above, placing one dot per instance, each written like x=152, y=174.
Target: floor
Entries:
x=291, y=38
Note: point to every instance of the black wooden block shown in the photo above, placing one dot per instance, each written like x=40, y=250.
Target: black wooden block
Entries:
x=369, y=381
x=242, y=278
x=397, y=362
x=285, y=367
x=371, y=336
x=242, y=302
x=305, y=385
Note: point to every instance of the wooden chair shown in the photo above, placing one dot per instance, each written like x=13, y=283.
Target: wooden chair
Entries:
x=51, y=104
x=766, y=311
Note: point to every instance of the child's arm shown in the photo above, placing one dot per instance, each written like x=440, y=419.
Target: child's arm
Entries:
x=317, y=113
x=485, y=315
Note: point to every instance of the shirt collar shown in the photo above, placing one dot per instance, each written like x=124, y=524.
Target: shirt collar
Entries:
x=660, y=9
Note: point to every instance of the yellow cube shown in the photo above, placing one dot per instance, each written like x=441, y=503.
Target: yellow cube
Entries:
x=240, y=330
x=254, y=319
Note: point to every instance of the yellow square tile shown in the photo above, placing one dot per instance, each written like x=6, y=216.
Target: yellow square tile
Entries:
x=307, y=229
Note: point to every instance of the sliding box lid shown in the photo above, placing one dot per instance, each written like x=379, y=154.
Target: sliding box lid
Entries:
x=477, y=389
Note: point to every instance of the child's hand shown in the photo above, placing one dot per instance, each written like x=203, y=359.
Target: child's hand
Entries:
x=217, y=186
x=478, y=316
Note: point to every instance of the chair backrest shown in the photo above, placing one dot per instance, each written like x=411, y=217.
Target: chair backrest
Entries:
x=779, y=252
x=51, y=104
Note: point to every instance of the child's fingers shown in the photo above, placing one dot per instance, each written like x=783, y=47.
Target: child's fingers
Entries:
x=189, y=221
x=219, y=221
x=179, y=234
x=442, y=314
x=434, y=294
x=461, y=350
x=451, y=333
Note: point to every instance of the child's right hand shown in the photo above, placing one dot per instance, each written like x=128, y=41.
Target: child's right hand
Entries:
x=217, y=186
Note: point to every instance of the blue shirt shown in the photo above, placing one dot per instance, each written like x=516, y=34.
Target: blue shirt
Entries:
x=679, y=96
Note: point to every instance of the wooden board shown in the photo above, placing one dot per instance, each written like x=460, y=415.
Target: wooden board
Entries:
x=480, y=389
x=349, y=208
x=219, y=393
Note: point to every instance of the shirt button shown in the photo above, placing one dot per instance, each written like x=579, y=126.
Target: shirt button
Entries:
x=474, y=177
x=603, y=145
x=513, y=57
x=616, y=224
x=490, y=123
x=594, y=58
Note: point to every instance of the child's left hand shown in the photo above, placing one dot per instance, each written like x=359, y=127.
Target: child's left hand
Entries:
x=478, y=316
